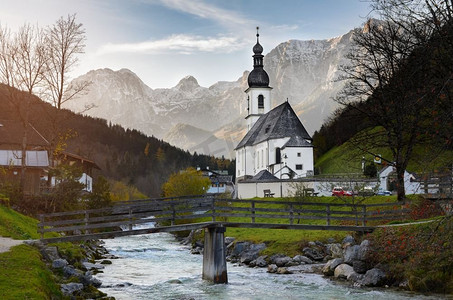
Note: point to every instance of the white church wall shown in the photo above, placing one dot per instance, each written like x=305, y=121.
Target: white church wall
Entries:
x=261, y=157
x=249, y=190
x=287, y=188
x=273, y=144
x=239, y=163
x=300, y=160
x=253, y=94
x=255, y=112
x=245, y=162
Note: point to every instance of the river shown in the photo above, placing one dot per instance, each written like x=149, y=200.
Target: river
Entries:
x=156, y=266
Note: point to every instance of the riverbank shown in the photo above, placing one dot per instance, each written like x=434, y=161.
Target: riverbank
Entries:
x=345, y=260
x=417, y=257
x=157, y=266
x=73, y=267
x=32, y=270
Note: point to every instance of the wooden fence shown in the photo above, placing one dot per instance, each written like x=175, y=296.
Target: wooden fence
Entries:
x=176, y=214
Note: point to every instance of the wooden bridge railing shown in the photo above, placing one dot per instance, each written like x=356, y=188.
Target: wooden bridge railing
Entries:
x=173, y=214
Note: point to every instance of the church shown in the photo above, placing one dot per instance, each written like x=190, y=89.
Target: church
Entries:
x=276, y=145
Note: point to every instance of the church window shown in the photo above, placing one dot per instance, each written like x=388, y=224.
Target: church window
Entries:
x=258, y=160
x=298, y=154
x=299, y=167
x=260, y=101
x=278, y=156
x=262, y=158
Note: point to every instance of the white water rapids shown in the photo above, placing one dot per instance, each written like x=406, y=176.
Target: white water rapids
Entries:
x=156, y=266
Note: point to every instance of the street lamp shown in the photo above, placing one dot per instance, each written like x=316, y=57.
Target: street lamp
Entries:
x=283, y=157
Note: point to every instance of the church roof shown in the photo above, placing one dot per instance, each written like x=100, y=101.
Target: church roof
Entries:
x=258, y=78
x=264, y=175
x=280, y=122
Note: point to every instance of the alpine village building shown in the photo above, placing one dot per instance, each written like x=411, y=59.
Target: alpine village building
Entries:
x=277, y=146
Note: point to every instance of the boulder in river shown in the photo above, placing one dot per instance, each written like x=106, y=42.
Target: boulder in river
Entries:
x=343, y=271
x=313, y=253
x=329, y=267
x=351, y=253
x=70, y=288
x=374, y=277
x=272, y=268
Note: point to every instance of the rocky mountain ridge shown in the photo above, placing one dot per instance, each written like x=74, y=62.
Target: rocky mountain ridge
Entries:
x=211, y=120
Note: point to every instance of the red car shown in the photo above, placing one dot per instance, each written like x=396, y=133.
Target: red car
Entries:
x=338, y=191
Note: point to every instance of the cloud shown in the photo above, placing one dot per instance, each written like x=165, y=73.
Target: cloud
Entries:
x=204, y=10
x=284, y=27
x=239, y=30
x=180, y=43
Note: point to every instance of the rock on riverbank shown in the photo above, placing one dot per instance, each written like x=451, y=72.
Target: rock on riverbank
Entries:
x=75, y=275
x=355, y=266
x=342, y=261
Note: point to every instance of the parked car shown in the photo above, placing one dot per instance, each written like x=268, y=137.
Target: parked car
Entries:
x=384, y=193
x=339, y=191
x=366, y=191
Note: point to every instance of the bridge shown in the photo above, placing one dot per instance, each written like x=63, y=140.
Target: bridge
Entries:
x=213, y=215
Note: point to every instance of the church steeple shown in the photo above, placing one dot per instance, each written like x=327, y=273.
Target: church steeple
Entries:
x=259, y=91
x=258, y=77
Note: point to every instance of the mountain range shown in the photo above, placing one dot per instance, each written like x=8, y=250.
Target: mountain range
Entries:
x=211, y=120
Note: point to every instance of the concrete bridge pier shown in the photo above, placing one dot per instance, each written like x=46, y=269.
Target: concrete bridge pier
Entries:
x=214, y=261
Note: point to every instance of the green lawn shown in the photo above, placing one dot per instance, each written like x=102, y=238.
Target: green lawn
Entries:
x=348, y=159
x=16, y=225
x=22, y=273
x=290, y=242
x=24, y=276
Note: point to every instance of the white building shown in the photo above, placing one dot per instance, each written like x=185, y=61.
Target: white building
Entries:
x=411, y=185
x=276, y=140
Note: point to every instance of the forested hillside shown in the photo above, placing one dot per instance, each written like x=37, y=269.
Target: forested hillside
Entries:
x=122, y=154
x=399, y=93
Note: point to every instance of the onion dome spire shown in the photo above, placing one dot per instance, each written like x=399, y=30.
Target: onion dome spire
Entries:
x=258, y=77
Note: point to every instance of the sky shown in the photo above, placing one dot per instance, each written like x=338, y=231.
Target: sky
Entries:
x=163, y=41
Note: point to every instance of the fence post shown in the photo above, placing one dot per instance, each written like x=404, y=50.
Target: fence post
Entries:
x=253, y=211
x=130, y=218
x=173, y=214
x=213, y=209
x=364, y=215
x=291, y=214
x=328, y=214
x=87, y=216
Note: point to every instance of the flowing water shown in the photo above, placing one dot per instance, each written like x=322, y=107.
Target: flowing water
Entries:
x=156, y=266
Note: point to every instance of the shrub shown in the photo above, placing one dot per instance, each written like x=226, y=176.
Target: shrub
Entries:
x=423, y=254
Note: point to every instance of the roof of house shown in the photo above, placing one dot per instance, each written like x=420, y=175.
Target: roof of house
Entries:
x=12, y=131
x=264, y=175
x=71, y=156
x=221, y=178
x=280, y=122
x=10, y=158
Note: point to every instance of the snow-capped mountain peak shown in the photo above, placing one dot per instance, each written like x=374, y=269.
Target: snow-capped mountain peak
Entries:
x=303, y=72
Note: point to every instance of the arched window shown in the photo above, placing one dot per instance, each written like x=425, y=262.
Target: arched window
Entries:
x=260, y=101
x=257, y=159
x=278, y=156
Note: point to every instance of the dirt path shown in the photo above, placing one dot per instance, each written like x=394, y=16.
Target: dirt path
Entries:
x=407, y=224
x=7, y=243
